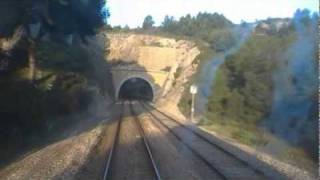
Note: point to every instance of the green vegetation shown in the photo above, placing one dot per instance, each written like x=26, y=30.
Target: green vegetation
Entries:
x=58, y=90
x=59, y=57
x=242, y=94
x=215, y=29
x=242, y=91
x=59, y=16
x=43, y=75
x=148, y=23
x=243, y=88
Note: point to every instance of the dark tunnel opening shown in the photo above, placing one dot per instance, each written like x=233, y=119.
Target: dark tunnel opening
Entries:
x=136, y=89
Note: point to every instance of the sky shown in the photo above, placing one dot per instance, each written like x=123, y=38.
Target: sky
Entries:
x=133, y=12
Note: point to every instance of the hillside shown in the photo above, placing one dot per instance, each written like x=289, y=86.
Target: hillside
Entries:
x=265, y=93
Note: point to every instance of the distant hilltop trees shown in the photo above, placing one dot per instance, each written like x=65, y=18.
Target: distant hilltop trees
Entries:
x=213, y=28
x=148, y=22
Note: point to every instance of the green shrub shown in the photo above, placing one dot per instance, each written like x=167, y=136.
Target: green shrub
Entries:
x=59, y=57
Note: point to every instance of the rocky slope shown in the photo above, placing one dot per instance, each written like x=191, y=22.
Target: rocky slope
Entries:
x=155, y=53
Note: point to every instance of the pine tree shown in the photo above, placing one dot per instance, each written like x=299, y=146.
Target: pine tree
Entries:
x=148, y=23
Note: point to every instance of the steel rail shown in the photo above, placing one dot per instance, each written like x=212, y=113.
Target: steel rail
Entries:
x=146, y=143
x=204, y=160
x=115, y=140
x=210, y=142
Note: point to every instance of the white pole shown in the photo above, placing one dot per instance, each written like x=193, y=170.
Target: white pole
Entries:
x=192, y=107
x=193, y=91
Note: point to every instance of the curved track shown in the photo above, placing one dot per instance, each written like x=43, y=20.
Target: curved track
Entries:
x=235, y=162
x=143, y=146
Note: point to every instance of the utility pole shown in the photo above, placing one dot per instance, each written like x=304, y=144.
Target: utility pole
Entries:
x=193, y=91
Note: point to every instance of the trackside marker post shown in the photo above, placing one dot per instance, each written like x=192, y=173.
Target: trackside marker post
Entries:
x=193, y=91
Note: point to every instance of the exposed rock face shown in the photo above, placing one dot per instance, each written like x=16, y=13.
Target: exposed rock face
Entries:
x=271, y=25
x=154, y=53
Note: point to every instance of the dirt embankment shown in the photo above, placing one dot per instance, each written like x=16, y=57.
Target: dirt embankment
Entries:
x=67, y=153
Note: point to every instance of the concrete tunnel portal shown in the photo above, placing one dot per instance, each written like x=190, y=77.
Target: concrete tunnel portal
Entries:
x=135, y=88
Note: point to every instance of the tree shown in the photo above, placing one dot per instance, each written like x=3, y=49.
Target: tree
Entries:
x=168, y=20
x=41, y=77
x=55, y=16
x=244, y=24
x=31, y=19
x=148, y=22
x=205, y=26
x=168, y=23
x=116, y=28
x=82, y=17
x=126, y=28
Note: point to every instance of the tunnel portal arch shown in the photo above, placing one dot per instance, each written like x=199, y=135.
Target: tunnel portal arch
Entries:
x=137, y=77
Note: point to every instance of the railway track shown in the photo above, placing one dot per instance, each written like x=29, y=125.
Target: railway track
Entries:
x=115, y=139
x=146, y=143
x=234, y=163
x=148, y=162
x=136, y=160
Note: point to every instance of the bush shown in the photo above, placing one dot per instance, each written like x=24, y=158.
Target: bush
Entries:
x=59, y=57
x=243, y=85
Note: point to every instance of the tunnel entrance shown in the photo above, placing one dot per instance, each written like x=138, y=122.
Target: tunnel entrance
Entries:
x=136, y=89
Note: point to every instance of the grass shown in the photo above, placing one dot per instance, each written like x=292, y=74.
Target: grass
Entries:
x=258, y=139
x=299, y=158
x=243, y=133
